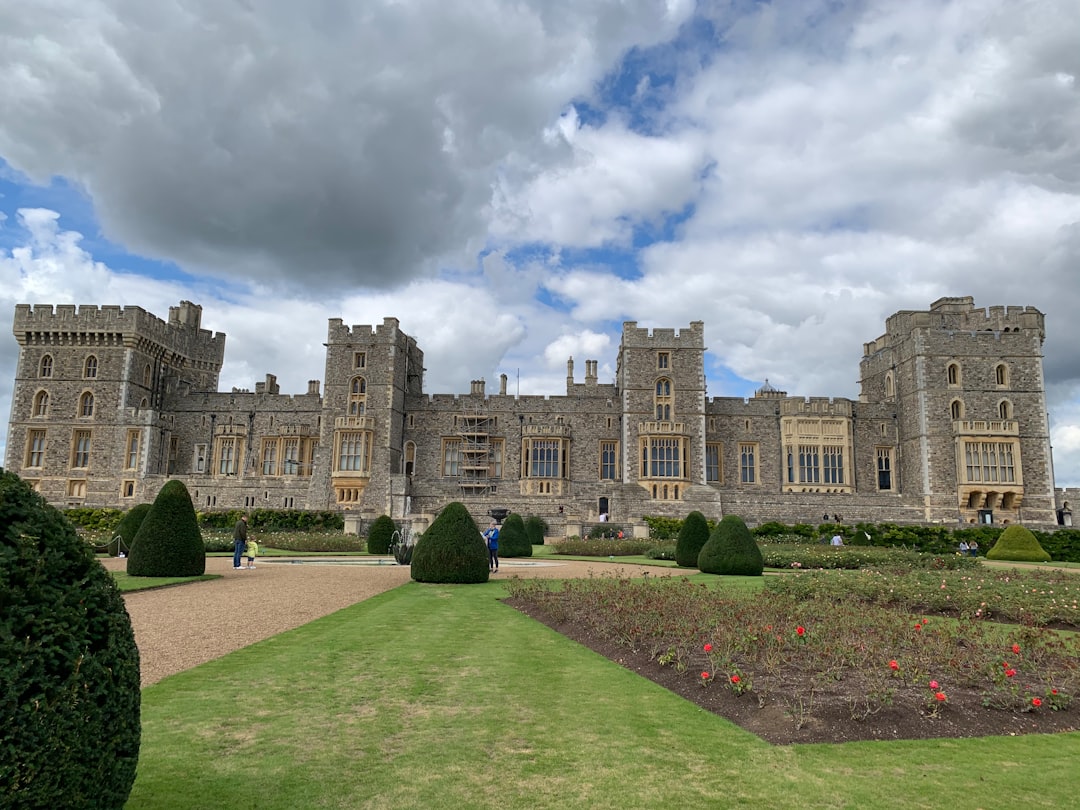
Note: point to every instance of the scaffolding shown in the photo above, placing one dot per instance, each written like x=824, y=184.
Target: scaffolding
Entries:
x=474, y=427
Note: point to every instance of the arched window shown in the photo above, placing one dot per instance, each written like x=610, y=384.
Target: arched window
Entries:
x=410, y=457
x=663, y=400
x=890, y=386
x=146, y=376
x=46, y=366
x=90, y=369
x=953, y=373
x=41, y=403
x=86, y=404
x=1001, y=373
x=957, y=409
x=357, y=396
x=1005, y=409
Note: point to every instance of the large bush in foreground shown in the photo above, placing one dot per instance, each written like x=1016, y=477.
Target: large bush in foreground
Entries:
x=168, y=543
x=692, y=536
x=380, y=534
x=513, y=541
x=69, y=668
x=451, y=549
x=1018, y=545
x=731, y=550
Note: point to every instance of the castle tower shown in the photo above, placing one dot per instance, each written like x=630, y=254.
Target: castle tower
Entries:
x=966, y=386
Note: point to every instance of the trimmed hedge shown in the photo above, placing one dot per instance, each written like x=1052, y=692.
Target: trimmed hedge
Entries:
x=69, y=668
x=536, y=528
x=693, y=535
x=1018, y=545
x=513, y=542
x=168, y=543
x=127, y=529
x=731, y=550
x=451, y=550
x=380, y=534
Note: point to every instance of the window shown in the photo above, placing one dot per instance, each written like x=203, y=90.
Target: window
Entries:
x=86, y=404
x=884, y=468
x=90, y=368
x=451, y=457
x=360, y=360
x=809, y=464
x=990, y=462
x=833, y=465
x=1005, y=409
x=200, y=458
x=663, y=359
x=146, y=376
x=713, y=465
x=498, y=450
x=354, y=451
x=77, y=488
x=662, y=457
x=663, y=400
x=890, y=386
x=357, y=396
x=956, y=409
x=269, y=457
x=410, y=458
x=228, y=455
x=80, y=449
x=127, y=489
x=35, y=448
x=131, y=455
x=290, y=457
x=41, y=403
x=609, y=460
x=45, y=369
x=747, y=463
x=545, y=458
x=952, y=373
x=1001, y=374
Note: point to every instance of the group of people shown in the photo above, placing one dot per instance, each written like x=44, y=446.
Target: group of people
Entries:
x=969, y=549
x=243, y=545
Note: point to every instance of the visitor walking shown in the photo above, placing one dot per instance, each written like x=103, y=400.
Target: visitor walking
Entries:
x=491, y=535
x=239, y=539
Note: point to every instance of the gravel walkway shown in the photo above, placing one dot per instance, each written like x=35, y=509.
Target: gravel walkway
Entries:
x=181, y=627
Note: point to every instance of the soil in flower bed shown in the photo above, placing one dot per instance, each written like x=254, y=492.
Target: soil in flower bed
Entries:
x=834, y=714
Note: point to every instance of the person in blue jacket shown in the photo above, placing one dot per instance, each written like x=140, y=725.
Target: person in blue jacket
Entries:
x=491, y=536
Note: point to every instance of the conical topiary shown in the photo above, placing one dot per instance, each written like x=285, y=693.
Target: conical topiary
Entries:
x=380, y=534
x=692, y=537
x=535, y=529
x=1018, y=544
x=731, y=550
x=513, y=541
x=69, y=667
x=451, y=550
x=169, y=543
x=127, y=528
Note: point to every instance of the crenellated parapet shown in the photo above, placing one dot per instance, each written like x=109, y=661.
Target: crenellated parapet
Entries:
x=639, y=338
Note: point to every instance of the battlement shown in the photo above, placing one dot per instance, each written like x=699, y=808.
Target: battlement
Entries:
x=692, y=337
x=182, y=334
x=387, y=332
x=958, y=315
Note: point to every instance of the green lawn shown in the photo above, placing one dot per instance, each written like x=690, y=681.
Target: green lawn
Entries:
x=442, y=697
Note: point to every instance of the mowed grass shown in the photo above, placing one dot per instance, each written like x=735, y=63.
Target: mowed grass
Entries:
x=442, y=697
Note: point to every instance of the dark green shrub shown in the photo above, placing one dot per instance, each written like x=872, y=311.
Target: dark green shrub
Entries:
x=513, y=542
x=662, y=528
x=380, y=534
x=451, y=550
x=69, y=668
x=1018, y=544
x=95, y=520
x=731, y=550
x=127, y=528
x=168, y=543
x=692, y=536
x=536, y=528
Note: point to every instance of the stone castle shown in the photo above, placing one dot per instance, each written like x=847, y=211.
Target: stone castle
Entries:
x=950, y=426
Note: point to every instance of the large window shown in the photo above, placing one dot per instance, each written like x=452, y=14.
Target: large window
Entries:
x=80, y=449
x=714, y=469
x=228, y=454
x=609, y=460
x=452, y=457
x=545, y=458
x=35, y=448
x=354, y=451
x=747, y=463
x=832, y=459
x=269, y=457
x=662, y=457
x=990, y=462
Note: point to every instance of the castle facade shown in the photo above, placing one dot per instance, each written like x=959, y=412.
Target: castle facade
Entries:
x=950, y=426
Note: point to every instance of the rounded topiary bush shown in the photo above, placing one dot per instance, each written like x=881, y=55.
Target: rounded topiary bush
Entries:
x=692, y=537
x=513, y=541
x=731, y=550
x=168, y=543
x=127, y=528
x=380, y=534
x=451, y=549
x=69, y=668
x=1018, y=544
x=535, y=529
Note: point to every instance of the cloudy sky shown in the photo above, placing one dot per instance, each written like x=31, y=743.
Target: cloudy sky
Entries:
x=513, y=180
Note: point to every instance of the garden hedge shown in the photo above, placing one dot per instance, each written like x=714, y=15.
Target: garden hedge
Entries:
x=693, y=535
x=380, y=534
x=731, y=550
x=536, y=528
x=1018, y=544
x=127, y=528
x=451, y=550
x=168, y=543
x=69, y=667
x=513, y=542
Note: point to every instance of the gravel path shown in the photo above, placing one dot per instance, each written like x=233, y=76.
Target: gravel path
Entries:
x=181, y=627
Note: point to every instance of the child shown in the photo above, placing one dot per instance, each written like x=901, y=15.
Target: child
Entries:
x=252, y=552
